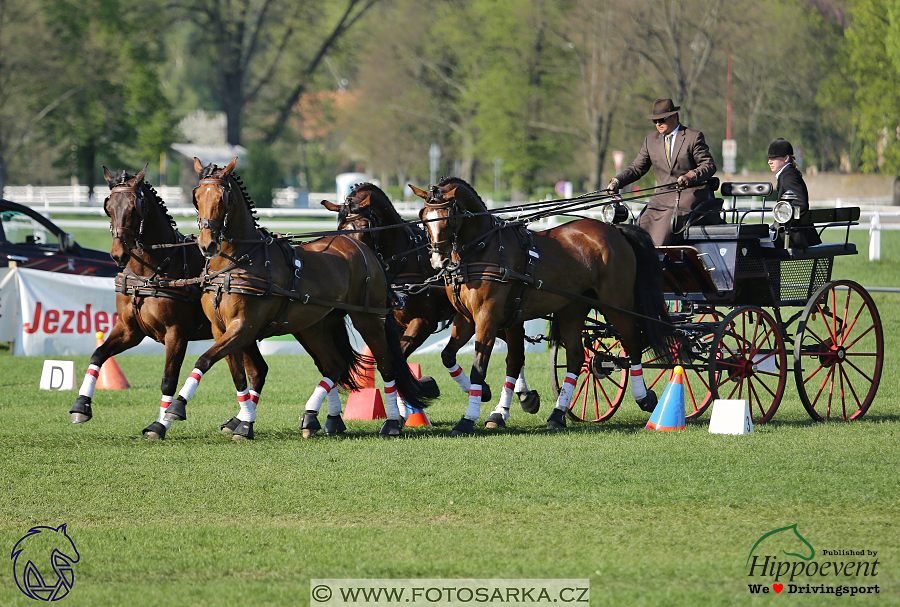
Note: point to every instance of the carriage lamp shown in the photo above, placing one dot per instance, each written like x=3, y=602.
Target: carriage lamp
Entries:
x=614, y=213
x=785, y=210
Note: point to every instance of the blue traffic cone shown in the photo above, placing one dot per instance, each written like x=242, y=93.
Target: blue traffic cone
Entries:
x=669, y=413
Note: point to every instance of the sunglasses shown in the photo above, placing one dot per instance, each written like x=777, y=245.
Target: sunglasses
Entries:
x=659, y=120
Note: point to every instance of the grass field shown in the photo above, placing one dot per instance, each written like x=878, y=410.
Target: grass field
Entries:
x=650, y=518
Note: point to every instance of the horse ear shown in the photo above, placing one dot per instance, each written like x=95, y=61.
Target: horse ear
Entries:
x=198, y=166
x=140, y=176
x=364, y=202
x=110, y=178
x=417, y=191
x=335, y=208
x=230, y=166
x=450, y=194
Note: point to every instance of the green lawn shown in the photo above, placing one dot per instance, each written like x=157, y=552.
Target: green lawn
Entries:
x=650, y=518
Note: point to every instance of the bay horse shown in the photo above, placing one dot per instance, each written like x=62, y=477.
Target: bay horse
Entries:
x=152, y=297
x=257, y=286
x=372, y=219
x=497, y=271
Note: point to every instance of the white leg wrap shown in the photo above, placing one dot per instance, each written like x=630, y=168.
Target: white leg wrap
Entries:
x=254, y=396
x=248, y=408
x=460, y=378
x=164, y=403
x=638, y=389
x=473, y=411
x=390, y=397
x=90, y=380
x=190, y=386
x=401, y=405
x=564, y=400
x=315, y=401
x=334, y=401
x=506, y=397
x=521, y=384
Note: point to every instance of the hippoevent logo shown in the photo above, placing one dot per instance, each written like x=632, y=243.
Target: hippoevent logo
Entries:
x=42, y=563
x=782, y=560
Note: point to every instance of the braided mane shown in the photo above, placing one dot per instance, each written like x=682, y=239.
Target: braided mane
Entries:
x=386, y=211
x=122, y=179
x=448, y=180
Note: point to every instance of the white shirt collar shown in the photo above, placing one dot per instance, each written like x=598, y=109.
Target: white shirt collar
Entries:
x=781, y=170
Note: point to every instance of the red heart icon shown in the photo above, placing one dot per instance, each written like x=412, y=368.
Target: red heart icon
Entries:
x=778, y=587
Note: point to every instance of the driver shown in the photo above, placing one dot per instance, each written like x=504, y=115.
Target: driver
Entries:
x=678, y=155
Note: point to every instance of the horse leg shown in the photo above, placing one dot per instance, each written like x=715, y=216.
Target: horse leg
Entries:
x=415, y=334
x=515, y=360
x=121, y=338
x=631, y=341
x=325, y=342
x=485, y=334
x=233, y=339
x=176, y=346
x=240, y=426
x=571, y=325
x=462, y=332
x=530, y=400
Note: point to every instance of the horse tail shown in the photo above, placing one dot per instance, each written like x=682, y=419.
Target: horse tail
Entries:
x=648, y=293
x=352, y=362
x=406, y=383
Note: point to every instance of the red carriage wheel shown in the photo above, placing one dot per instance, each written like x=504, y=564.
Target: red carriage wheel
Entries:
x=692, y=355
x=747, y=361
x=838, y=352
x=600, y=386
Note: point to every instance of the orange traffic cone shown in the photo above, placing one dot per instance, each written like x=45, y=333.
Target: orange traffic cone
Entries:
x=365, y=404
x=417, y=417
x=669, y=412
x=366, y=377
x=416, y=370
x=111, y=376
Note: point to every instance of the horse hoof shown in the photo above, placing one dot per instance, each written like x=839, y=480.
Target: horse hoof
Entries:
x=229, y=426
x=176, y=411
x=464, y=427
x=81, y=410
x=334, y=425
x=155, y=431
x=244, y=431
x=648, y=403
x=429, y=387
x=486, y=396
x=495, y=421
x=309, y=424
x=530, y=401
x=557, y=420
x=390, y=429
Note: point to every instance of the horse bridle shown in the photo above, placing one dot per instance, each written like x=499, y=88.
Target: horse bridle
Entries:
x=140, y=204
x=203, y=223
x=454, y=211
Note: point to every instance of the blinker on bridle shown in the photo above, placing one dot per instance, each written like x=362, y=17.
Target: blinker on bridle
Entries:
x=453, y=210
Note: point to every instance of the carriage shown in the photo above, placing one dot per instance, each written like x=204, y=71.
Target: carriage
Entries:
x=748, y=313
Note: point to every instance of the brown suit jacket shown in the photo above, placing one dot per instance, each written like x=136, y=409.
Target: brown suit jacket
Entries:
x=690, y=154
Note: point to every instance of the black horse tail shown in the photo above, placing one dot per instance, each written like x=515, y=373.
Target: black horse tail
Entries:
x=352, y=363
x=406, y=383
x=655, y=323
x=554, y=337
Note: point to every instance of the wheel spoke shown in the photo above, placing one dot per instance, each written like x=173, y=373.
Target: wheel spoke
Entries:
x=860, y=371
x=852, y=390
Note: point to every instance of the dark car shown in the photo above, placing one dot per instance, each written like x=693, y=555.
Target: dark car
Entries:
x=35, y=242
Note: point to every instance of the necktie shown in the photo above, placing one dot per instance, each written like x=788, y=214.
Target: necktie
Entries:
x=668, y=139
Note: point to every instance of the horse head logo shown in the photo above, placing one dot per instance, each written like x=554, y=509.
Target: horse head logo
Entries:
x=787, y=540
x=40, y=545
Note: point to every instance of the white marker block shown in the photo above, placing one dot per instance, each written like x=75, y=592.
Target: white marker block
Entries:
x=730, y=417
x=58, y=375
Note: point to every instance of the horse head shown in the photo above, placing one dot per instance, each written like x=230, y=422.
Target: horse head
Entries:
x=214, y=200
x=126, y=207
x=450, y=207
x=365, y=209
x=38, y=546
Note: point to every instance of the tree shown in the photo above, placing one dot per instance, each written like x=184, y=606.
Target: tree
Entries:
x=265, y=52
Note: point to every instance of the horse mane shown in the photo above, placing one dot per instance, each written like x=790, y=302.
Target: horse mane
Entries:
x=387, y=212
x=211, y=168
x=450, y=180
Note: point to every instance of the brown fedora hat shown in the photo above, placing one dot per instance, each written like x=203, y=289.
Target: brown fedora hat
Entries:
x=663, y=108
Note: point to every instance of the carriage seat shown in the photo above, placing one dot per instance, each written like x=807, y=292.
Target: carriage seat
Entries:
x=728, y=231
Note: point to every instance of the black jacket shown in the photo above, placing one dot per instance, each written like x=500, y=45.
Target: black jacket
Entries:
x=791, y=179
